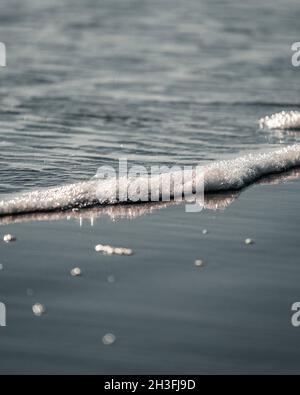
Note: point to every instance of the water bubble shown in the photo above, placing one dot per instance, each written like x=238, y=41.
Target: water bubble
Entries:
x=38, y=309
x=9, y=238
x=111, y=279
x=249, y=241
x=204, y=231
x=109, y=339
x=109, y=250
x=76, y=271
x=127, y=251
x=199, y=262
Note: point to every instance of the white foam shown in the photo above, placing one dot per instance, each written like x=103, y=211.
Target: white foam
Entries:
x=281, y=120
x=110, y=250
x=238, y=173
x=224, y=175
x=38, y=309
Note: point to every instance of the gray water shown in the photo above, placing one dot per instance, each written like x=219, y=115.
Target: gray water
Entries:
x=166, y=82
x=157, y=82
x=233, y=315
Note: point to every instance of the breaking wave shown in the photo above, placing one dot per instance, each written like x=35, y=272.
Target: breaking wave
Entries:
x=281, y=120
x=226, y=175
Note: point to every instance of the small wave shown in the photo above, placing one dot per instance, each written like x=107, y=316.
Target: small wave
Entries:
x=227, y=175
x=281, y=120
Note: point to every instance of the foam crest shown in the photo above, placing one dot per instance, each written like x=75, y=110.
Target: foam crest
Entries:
x=227, y=175
x=281, y=120
x=238, y=173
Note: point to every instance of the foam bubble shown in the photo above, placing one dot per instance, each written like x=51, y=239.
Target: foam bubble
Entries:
x=109, y=339
x=76, y=271
x=38, y=309
x=109, y=250
x=198, y=263
x=9, y=238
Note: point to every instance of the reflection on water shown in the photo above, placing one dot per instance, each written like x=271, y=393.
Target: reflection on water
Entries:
x=281, y=136
x=114, y=212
